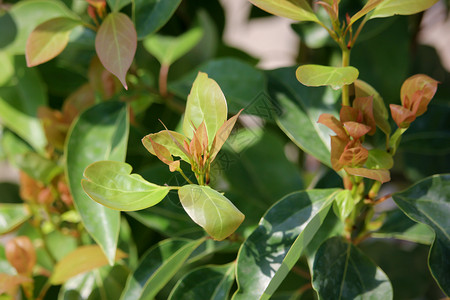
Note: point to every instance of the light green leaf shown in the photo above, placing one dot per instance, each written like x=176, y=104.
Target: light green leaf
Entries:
x=48, y=40
x=344, y=204
x=210, y=282
x=6, y=61
x=100, y=132
x=164, y=138
x=335, y=77
x=379, y=159
x=117, y=5
x=115, y=44
x=428, y=202
x=269, y=253
x=211, y=210
x=298, y=10
x=368, y=7
x=12, y=215
x=111, y=184
x=38, y=167
x=389, y=8
x=167, y=49
x=342, y=271
x=157, y=267
x=207, y=103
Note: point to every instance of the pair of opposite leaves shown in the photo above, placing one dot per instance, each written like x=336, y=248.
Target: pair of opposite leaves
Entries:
x=206, y=129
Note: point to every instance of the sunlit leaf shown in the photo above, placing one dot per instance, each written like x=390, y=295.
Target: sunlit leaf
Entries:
x=427, y=202
x=341, y=271
x=379, y=159
x=222, y=135
x=168, y=49
x=334, y=124
x=400, y=7
x=369, y=6
x=408, y=93
x=48, y=40
x=111, y=183
x=206, y=103
x=166, y=138
x=12, y=215
x=317, y=75
x=380, y=175
x=298, y=10
x=356, y=130
x=151, y=15
x=82, y=259
x=211, y=210
x=344, y=204
x=116, y=43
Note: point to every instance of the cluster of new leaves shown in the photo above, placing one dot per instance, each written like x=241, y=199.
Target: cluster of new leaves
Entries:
x=206, y=130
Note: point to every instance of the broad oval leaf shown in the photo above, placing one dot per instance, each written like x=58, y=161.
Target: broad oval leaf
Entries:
x=428, y=202
x=211, y=210
x=116, y=43
x=274, y=247
x=48, y=40
x=151, y=15
x=335, y=77
x=298, y=10
x=168, y=49
x=389, y=8
x=100, y=132
x=341, y=271
x=111, y=184
x=210, y=282
x=157, y=267
x=205, y=103
x=12, y=215
x=82, y=259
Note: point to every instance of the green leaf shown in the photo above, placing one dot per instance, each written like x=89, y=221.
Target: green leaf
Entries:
x=211, y=210
x=427, y=202
x=389, y=8
x=298, y=119
x=210, y=282
x=111, y=184
x=26, y=15
x=117, y=5
x=115, y=44
x=100, y=132
x=342, y=271
x=168, y=49
x=379, y=159
x=38, y=167
x=48, y=40
x=81, y=260
x=344, y=204
x=151, y=15
x=205, y=103
x=12, y=215
x=164, y=138
x=335, y=77
x=298, y=10
x=6, y=61
x=157, y=267
x=368, y=7
x=274, y=247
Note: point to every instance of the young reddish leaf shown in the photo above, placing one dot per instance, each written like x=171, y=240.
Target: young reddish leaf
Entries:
x=354, y=155
x=411, y=98
x=9, y=283
x=378, y=175
x=402, y=116
x=222, y=135
x=164, y=155
x=168, y=139
x=298, y=10
x=116, y=43
x=337, y=148
x=365, y=105
x=334, y=124
x=356, y=130
x=48, y=40
x=350, y=114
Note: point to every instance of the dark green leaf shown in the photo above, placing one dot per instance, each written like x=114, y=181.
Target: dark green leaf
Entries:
x=117, y=5
x=428, y=202
x=101, y=132
x=274, y=247
x=12, y=215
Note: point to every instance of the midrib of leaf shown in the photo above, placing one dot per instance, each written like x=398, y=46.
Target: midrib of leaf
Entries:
x=116, y=42
x=436, y=224
x=224, y=278
x=345, y=270
x=216, y=208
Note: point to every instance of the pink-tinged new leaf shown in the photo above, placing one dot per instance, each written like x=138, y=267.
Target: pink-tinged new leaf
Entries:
x=48, y=40
x=222, y=135
x=337, y=148
x=116, y=43
x=381, y=175
x=354, y=155
x=350, y=114
x=402, y=116
x=365, y=105
x=171, y=140
x=164, y=155
x=334, y=124
x=409, y=95
x=356, y=130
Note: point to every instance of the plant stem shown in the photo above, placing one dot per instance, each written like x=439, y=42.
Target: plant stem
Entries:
x=184, y=176
x=395, y=140
x=163, y=72
x=345, y=63
x=90, y=26
x=374, y=190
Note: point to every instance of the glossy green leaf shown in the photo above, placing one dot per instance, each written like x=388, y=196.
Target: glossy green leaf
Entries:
x=297, y=118
x=165, y=138
x=115, y=44
x=157, y=267
x=298, y=10
x=399, y=226
x=26, y=15
x=111, y=184
x=211, y=210
x=274, y=247
x=12, y=215
x=389, y=8
x=342, y=271
x=210, y=282
x=100, y=132
x=48, y=40
x=168, y=49
x=368, y=7
x=205, y=103
x=379, y=159
x=335, y=77
x=344, y=204
x=151, y=15
x=38, y=167
x=117, y=5
x=427, y=202
x=81, y=260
